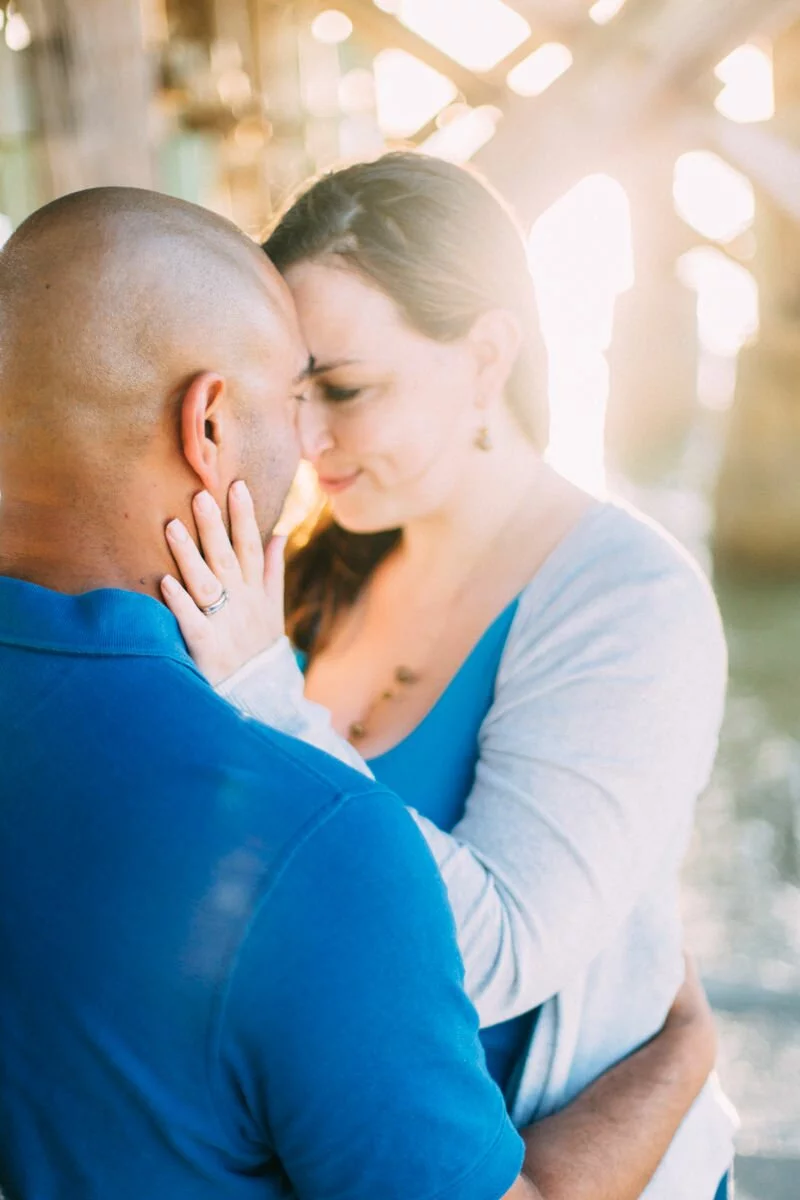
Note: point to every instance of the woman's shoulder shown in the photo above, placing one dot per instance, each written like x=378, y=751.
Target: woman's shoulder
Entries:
x=614, y=546
x=618, y=570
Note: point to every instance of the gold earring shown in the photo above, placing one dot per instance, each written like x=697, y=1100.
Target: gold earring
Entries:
x=483, y=439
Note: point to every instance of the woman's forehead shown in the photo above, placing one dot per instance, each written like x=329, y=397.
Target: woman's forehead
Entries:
x=341, y=315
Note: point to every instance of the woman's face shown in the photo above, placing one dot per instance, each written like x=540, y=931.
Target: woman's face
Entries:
x=390, y=416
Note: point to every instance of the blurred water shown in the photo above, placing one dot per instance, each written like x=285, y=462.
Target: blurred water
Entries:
x=742, y=881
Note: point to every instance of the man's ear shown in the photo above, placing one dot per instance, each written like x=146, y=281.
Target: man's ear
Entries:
x=202, y=428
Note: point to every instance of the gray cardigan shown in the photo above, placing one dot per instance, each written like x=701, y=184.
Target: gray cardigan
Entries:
x=563, y=873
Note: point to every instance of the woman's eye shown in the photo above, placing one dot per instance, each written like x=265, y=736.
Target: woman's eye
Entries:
x=338, y=395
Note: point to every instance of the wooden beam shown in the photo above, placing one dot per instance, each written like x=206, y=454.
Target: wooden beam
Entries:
x=561, y=15
x=378, y=31
x=93, y=92
x=771, y=161
x=614, y=90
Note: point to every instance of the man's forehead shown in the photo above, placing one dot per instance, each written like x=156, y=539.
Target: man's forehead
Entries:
x=275, y=285
x=274, y=323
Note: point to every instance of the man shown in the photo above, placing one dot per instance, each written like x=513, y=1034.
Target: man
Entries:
x=228, y=966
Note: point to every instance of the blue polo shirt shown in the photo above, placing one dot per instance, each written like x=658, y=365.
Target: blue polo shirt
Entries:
x=227, y=965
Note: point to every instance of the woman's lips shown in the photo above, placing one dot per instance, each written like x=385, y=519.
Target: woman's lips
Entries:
x=336, y=484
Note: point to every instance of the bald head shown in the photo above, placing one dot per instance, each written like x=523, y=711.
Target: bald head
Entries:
x=133, y=325
x=148, y=349
x=111, y=298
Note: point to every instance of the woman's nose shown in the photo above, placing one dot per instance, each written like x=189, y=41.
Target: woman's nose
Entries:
x=312, y=429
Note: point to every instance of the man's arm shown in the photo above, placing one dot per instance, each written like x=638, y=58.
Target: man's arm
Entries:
x=347, y=1044
x=607, y=1144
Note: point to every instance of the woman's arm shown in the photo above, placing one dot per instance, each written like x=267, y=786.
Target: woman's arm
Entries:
x=601, y=735
x=269, y=688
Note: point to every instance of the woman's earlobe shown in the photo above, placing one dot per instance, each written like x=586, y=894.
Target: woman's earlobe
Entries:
x=496, y=336
x=483, y=439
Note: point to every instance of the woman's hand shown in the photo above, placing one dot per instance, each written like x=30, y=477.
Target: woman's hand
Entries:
x=252, y=618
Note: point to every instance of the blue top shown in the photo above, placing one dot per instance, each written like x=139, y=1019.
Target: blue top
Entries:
x=215, y=980
x=603, y=730
x=433, y=770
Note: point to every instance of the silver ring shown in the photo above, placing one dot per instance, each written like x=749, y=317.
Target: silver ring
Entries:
x=217, y=606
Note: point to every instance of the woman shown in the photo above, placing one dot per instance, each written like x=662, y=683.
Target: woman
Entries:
x=538, y=674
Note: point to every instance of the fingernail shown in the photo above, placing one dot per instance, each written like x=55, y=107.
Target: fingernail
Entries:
x=239, y=490
x=177, y=530
x=170, y=585
x=205, y=502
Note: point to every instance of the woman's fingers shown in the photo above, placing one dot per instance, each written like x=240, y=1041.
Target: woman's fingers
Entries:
x=202, y=584
x=274, y=567
x=194, y=626
x=252, y=620
x=245, y=533
x=214, y=541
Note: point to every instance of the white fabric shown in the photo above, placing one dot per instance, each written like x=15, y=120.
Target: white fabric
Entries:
x=563, y=872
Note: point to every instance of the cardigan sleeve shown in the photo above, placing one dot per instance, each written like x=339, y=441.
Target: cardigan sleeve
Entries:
x=602, y=734
x=269, y=689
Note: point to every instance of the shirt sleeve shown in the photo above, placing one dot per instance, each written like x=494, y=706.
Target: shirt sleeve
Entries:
x=346, y=1028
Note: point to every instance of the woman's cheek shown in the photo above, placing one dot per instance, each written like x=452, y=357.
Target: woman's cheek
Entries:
x=367, y=432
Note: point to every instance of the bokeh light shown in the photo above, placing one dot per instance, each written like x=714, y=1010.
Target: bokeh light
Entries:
x=603, y=11
x=748, y=94
x=459, y=138
x=582, y=259
x=711, y=196
x=18, y=34
x=727, y=299
x=478, y=34
x=357, y=91
x=539, y=70
x=331, y=27
x=408, y=93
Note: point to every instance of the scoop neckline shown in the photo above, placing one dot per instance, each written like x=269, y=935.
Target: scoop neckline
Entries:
x=598, y=507
x=377, y=758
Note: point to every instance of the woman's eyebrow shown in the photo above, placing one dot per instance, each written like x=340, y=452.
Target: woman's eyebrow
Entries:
x=306, y=372
x=317, y=368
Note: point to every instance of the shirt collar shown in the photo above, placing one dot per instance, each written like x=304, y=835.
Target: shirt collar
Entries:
x=103, y=622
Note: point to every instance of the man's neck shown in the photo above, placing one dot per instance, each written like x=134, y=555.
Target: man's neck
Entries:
x=58, y=547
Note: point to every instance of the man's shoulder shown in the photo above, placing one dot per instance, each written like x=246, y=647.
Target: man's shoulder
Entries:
x=241, y=735
x=231, y=768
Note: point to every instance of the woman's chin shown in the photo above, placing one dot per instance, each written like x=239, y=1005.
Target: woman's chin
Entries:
x=355, y=519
